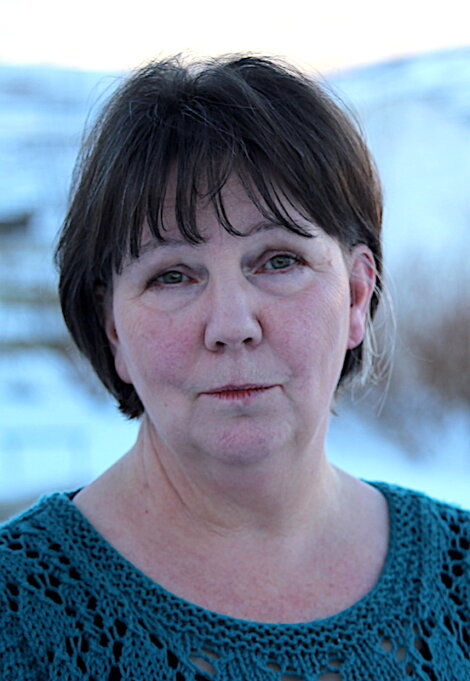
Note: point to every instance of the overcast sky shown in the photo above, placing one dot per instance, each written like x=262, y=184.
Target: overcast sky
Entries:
x=104, y=34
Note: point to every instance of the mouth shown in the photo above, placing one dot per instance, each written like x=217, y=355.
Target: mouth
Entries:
x=238, y=392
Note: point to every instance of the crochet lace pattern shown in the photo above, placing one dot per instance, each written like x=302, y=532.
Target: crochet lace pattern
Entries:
x=73, y=608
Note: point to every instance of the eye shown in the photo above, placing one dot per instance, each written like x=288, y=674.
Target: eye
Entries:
x=282, y=261
x=169, y=278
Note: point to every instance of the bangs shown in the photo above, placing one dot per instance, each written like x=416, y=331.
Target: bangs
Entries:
x=197, y=159
x=288, y=143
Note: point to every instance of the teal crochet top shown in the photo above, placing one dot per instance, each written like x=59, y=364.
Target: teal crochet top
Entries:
x=71, y=607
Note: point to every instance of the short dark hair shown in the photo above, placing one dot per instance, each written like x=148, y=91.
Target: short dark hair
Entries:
x=280, y=131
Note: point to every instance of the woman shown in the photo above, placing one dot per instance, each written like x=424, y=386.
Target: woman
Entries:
x=219, y=266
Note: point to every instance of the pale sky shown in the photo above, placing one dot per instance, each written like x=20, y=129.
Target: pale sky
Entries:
x=102, y=34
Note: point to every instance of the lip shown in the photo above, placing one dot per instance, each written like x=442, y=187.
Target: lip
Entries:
x=245, y=392
x=233, y=388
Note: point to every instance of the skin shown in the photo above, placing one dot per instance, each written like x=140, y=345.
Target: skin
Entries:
x=219, y=481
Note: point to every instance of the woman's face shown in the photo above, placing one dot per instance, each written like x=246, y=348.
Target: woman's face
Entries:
x=235, y=346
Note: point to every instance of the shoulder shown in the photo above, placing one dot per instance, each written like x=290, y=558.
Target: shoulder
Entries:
x=35, y=553
x=434, y=537
x=33, y=533
x=410, y=500
x=428, y=520
x=24, y=558
x=20, y=540
x=52, y=563
x=48, y=586
x=29, y=546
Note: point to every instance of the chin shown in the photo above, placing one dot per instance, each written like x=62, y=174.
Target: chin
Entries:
x=243, y=446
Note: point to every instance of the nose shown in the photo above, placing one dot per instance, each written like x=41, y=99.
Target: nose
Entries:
x=232, y=318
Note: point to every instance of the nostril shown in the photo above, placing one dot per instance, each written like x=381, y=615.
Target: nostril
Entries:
x=232, y=322
x=245, y=341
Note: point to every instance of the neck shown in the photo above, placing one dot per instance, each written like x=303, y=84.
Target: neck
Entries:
x=284, y=493
x=230, y=545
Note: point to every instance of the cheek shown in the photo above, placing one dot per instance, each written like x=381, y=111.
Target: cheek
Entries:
x=156, y=348
x=315, y=327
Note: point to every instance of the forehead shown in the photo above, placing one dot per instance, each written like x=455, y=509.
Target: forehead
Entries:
x=238, y=211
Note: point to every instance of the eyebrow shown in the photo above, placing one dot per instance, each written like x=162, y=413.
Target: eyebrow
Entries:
x=152, y=244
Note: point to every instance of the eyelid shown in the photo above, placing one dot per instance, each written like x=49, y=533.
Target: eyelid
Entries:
x=267, y=255
x=178, y=269
x=280, y=253
x=171, y=271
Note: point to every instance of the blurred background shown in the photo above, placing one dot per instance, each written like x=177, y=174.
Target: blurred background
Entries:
x=403, y=71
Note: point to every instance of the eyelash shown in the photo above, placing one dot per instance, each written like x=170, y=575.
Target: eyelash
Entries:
x=296, y=260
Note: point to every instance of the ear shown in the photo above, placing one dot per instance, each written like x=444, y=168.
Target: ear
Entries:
x=362, y=277
x=104, y=302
